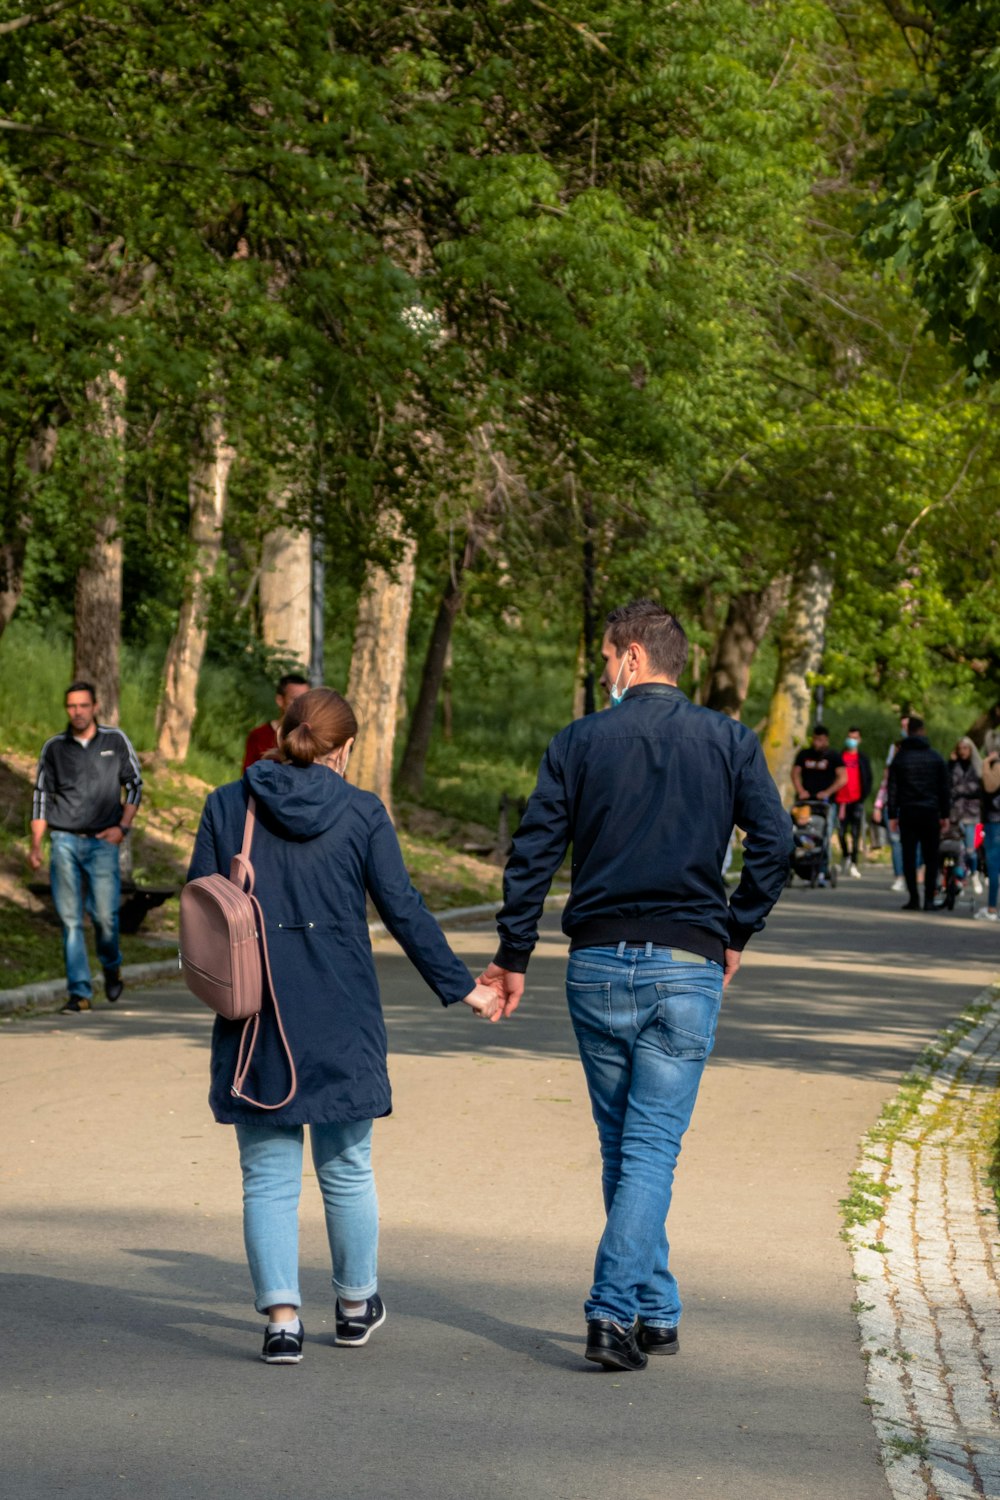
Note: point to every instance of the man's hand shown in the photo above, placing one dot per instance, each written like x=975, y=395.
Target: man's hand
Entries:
x=510, y=985
x=35, y=857
x=893, y=825
x=112, y=835
x=945, y=824
x=733, y=959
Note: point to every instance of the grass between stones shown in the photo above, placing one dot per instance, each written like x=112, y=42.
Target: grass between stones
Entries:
x=938, y=1101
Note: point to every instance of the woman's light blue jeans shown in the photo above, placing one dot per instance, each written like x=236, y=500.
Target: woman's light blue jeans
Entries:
x=80, y=863
x=645, y=1021
x=271, y=1159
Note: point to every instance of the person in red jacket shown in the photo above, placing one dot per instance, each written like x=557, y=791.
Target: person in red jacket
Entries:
x=850, y=799
x=265, y=736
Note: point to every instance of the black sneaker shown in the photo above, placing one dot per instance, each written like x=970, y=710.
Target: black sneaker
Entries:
x=76, y=1003
x=113, y=984
x=613, y=1347
x=282, y=1347
x=357, y=1330
x=658, y=1340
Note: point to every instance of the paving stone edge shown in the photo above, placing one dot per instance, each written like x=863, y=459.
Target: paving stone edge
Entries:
x=927, y=1265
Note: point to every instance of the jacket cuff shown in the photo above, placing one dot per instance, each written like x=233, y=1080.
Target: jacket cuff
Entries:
x=516, y=960
x=739, y=935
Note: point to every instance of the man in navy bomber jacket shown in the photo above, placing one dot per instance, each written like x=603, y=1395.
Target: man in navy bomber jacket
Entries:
x=647, y=795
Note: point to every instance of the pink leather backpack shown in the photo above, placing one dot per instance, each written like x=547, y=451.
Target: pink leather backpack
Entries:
x=224, y=959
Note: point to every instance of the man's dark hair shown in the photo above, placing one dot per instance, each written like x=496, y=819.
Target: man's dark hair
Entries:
x=914, y=724
x=660, y=634
x=81, y=687
x=291, y=679
x=854, y=729
x=820, y=729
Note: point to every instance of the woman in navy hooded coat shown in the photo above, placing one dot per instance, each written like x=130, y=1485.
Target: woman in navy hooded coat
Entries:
x=319, y=847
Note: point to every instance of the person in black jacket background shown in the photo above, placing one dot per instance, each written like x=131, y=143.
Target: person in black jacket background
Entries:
x=919, y=806
x=647, y=794
x=78, y=800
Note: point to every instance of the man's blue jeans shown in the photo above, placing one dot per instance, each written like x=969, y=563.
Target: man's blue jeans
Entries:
x=79, y=863
x=645, y=1021
x=271, y=1159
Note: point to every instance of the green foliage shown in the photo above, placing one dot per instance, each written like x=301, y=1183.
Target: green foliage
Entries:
x=619, y=241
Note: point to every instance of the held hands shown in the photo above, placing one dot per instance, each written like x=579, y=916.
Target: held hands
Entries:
x=486, y=1000
x=509, y=985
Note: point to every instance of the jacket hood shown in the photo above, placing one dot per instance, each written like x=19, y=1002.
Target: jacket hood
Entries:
x=304, y=801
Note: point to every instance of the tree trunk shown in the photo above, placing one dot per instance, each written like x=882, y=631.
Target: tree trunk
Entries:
x=748, y=620
x=378, y=663
x=13, y=548
x=589, y=618
x=800, y=654
x=411, y=771
x=16, y=518
x=980, y=727
x=286, y=593
x=208, y=481
x=97, y=619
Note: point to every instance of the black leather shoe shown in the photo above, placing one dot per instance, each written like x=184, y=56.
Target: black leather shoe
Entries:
x=910, y=906
x=658, y=1340
x=613, y=1347
x=113, y=984
x=76, y=1003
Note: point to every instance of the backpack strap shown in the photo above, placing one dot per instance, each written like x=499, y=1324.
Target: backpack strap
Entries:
x=241, y=872
x=240, y=868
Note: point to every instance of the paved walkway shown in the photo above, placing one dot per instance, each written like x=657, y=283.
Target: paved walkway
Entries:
x=133, y=1369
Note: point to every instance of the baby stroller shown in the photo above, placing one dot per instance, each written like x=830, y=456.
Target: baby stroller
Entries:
x=812, y=835
x=956, y=866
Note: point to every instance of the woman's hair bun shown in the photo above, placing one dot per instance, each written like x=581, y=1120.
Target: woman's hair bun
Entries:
x=316, y=724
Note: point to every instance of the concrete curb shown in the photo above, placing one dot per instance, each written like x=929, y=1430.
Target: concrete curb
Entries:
x=50, y=994
x=927, y=1261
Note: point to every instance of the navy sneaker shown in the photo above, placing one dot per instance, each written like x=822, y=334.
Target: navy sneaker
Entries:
x=357, y=1330
x=282, y=1347
x=113, y=984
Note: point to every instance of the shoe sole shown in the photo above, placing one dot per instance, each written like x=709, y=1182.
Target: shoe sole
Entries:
x=611, y=1361
x=357, y=1343
x=281, y=1359
x=660, y=1351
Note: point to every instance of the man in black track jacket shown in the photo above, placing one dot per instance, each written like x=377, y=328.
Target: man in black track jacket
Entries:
x=647, y=794
x=919, y=805
x=78, y=799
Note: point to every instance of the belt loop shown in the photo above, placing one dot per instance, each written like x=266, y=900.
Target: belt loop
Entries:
x=649, y=950
x=620, y=950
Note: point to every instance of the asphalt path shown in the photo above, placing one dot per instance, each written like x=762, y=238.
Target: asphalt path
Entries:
x=131, y=1347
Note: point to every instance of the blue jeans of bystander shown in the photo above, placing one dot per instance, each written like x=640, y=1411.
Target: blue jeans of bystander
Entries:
x=79, y=862
x=271, y=1159
x=991, y=851
x=645, y=1021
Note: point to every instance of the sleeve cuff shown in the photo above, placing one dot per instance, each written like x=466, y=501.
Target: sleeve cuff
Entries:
x=516, y=960
x=739, y=935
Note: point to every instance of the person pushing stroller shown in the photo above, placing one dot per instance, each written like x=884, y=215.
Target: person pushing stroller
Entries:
x=818, y=773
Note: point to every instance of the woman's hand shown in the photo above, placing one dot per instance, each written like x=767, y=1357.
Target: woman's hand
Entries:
x=486, y=1000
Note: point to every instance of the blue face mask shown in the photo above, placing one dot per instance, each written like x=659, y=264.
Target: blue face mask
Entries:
x=851, y=744
x=618, y=694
